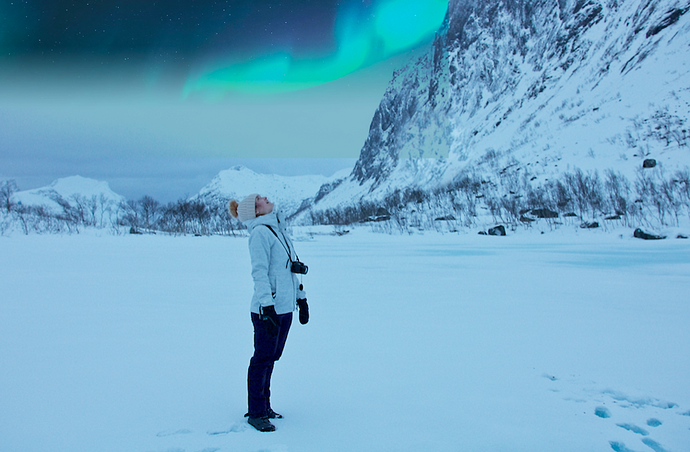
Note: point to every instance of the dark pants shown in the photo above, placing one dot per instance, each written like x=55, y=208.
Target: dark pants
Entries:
x=267, y=351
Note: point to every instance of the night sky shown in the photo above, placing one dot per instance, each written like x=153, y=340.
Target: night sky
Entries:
x=168, y=37
x=94, y=85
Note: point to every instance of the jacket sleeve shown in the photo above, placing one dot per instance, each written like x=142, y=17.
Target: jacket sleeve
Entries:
x=260, y=254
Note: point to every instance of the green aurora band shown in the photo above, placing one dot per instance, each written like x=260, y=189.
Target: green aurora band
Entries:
x=394, y=26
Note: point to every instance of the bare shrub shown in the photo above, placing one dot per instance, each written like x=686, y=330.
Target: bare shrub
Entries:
x=648, y=192
x=586, y=191
x=683, y=180
x=618, y=194
x=7, y=189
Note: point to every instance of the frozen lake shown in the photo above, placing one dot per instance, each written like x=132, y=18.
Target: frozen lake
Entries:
x=563, y=341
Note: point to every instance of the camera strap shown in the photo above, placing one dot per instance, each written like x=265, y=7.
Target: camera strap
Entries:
x=286, y=246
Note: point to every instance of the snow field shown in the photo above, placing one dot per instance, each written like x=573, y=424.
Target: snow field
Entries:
x=428, y=342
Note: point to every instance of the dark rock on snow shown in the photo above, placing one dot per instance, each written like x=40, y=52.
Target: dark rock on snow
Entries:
x=589, y=225
x=544, y=213
x=498, y=230
x=640, y=234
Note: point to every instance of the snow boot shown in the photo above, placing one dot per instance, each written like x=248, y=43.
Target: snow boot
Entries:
x=270, y=414
x=262, y=424
x=273, y=415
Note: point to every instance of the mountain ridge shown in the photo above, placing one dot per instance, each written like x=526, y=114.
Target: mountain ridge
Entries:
x=68, y=189
x=288, y=192
x=535, y=90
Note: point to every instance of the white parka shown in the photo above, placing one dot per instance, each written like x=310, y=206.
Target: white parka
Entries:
x=274, y=282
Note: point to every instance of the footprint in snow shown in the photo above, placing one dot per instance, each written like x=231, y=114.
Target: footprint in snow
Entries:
x=619, y=447
x=656, y=447
x=634, y=428
x=653, y=422
x=276, y=448
x=619, y=401
x=602, y=412
x=639, y=402
x=165, y=433
x=234, y=428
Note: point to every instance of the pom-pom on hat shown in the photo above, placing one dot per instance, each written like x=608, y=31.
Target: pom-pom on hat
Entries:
x=244, y=210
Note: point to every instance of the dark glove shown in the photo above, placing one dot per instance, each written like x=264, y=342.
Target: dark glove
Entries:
x=303, y=307
x=270, y=320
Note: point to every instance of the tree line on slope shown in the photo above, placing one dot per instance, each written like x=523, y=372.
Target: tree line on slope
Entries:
x=653, y=199
x=146, y=215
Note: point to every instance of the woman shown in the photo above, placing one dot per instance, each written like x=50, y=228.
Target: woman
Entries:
x=277, y=291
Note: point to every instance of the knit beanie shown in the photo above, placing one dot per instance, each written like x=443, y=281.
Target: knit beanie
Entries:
x=244, y=210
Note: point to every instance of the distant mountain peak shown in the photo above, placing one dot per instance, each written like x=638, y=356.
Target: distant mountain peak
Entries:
x=80, y=185
x=71, y=191
x=240, y=168
x=288, y=192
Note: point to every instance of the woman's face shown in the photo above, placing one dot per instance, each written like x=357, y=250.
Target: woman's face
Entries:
x=263, y=207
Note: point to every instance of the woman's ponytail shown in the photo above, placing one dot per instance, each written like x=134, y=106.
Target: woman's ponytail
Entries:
x=232, y=207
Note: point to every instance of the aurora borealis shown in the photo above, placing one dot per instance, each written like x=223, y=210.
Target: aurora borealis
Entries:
x=216, y=46
x=361, y=35
x=104, y=80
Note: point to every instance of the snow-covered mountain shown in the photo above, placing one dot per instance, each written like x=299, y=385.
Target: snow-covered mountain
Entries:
x=531, y=90
x=288, y=192
x=74, y=192
x=94, y=198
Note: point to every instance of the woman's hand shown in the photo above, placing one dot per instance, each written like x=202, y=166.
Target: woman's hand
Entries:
x=270, y=320
x=303, y=306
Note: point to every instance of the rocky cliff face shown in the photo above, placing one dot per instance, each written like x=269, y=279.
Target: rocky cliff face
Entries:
x=412, y=119
x=534, y=86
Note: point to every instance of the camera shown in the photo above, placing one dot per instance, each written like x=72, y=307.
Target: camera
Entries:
x=299, y=267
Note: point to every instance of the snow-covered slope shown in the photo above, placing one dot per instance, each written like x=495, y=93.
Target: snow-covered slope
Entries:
x=533, y=89
x=288, y=192
x=75, y=192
